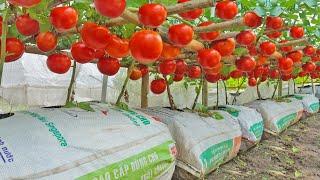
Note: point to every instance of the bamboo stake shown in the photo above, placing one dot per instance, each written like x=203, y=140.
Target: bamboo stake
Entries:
x=205, y=93
x=144, y=91
x=104, y=89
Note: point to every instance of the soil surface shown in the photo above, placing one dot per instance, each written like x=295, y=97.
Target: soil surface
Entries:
x=295, y=154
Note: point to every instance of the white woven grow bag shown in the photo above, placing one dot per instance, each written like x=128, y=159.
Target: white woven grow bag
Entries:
x=203, y=143
x=309, y=101
x=250, y=120
x=76, y=144
x=278, y=116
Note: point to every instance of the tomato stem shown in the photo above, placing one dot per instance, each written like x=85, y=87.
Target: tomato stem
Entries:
x=125, y=83
x=72, y=80
x=198, y=93
x=275, y=89
x=217, y=104
x=171, y=101
x=225, y=91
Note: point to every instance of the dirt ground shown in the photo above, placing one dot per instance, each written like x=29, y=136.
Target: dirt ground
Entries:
x=295, y=154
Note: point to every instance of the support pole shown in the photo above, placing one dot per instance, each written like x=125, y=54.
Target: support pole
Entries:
x=205, y=93
x=144, y=91
x=104, y=89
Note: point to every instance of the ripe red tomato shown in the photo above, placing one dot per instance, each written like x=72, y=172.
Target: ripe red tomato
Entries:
x=261, y=60
x=296, y=32
x=27, y=26
x=309, y=67
x=274, y=74
x=94, y=36
x=108, y=66
x=144, y=69
x=309, y=50
x=63, y=18
x=158, y=86
x=263, y=78
x=286, y=71
x=58, y=63
x=274, y=35
x=267, y=48
x=190, y=15
x=258, y=71
x=117, y=48
x=146, y=46
x=224, y=77
x=315, y=58
x=236, y=74
x=251, y=19
x=167, y=67
x=296, y=56
x=252, y=50
x=181, y=67
x=99, y=53
x=110, y=8
x=46, y=41
x=224, y=47
x=314, y=75
x=14, y=48
x=169, y=51
x=194, y=72
x=180, y=34
x=212, y=78
x=208, y=36
x=208, y=58
x=318, y=69
x=246, y=38
x=135, y=74
x=152, y=15
x=81, y=53
x=24, y=3
x=246, y=64
x=285, y=63
x=274, y=22
x=252, y=82
x=318, y=52
x=302, y=74
x=285, y=48
x=286, y=77
x=178, y=77
x=226, y=9
x=215, y=70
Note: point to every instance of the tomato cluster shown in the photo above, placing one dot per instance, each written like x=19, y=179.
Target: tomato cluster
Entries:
x=156, y=45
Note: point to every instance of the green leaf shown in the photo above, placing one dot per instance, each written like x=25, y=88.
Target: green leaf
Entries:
x=217, y=116
x=123, y=106
x=297, y=174
x=85, y=106
x=276, y=11
x=295, y=149
x=70, y=105
x=260, y=11
x=310, y=3
x=241, y=51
